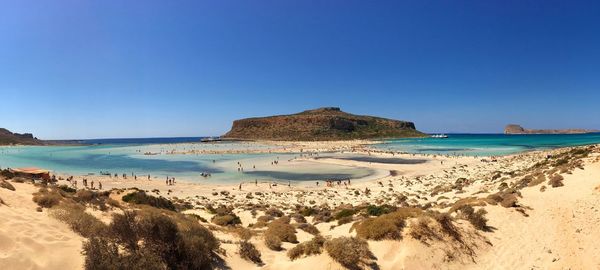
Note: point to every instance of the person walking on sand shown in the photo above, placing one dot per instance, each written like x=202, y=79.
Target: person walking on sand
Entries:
x=240, y=188
x=99, y=185
x=92, y=184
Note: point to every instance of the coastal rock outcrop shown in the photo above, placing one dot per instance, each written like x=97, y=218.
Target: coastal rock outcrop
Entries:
x=517, y=129
x=323, y=124
x=8, y=138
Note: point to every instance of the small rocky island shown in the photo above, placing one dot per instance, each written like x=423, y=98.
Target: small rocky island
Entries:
x=9, y=138
x=323, y=124
x=516, y=129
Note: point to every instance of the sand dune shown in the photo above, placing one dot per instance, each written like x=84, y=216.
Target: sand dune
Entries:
x=34, y=240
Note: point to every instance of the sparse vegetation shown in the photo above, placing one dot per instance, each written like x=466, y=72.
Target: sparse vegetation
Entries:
x=378, y=210
x=556, y=181
x=249, y=252
x=350, y=252
x=282, y=230
x=476, y=218
x=47, y=198
x=309, y=228
x=272, y=242
x=153, y=240
x=6, y=185
x=140, y=197
x=387, y=226
x=81, y=222
x=226, y=220
x=312, y=247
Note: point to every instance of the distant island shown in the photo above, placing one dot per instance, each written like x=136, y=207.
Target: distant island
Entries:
x=517, y=129
x=323, y=124
x=9, y=138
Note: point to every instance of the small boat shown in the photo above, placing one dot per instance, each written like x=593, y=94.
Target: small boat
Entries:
x=439, y=136
x=210, y=139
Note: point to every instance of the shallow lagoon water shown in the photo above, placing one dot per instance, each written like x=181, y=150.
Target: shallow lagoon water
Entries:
x=128, y=158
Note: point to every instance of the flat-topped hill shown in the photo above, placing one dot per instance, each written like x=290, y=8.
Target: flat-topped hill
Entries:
x=323, y=124
x=8, y=138
x=516, y=129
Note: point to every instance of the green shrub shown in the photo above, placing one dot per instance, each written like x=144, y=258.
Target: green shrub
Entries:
x=373, y=210
x=140, y=197
x=67, y=189
x=344, y=213
x=344, y=220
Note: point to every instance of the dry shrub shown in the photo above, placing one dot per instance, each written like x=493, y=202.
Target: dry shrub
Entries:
x=388, y=226
x=151, y=239
x=309, y=228
x=509, y=200
x=473, y=201
x=282, y=230
x=298, y=218
x=262, y=221
x=350, y=252
x=272, y=242
x=47, y=198
x=344, y=220
x=540, y=178
x=274, y=212
x=556, y=181
x=476, y=218
x=445, y=222
x=6, y=185
x=226, y=220
x=312, y=247
x=243, y=233
x=344, y=213
x=249, y=252
x=422, y=230
x=81, y=222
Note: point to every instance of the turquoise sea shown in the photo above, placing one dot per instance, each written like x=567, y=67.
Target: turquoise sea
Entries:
x=127, y=156
x=488, y=144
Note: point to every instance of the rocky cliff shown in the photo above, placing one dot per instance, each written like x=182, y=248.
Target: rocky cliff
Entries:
x=320, y=125
x=516, y=129
x=8, y=138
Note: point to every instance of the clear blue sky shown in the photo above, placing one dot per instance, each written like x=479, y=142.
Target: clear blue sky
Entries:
x=97, y=69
